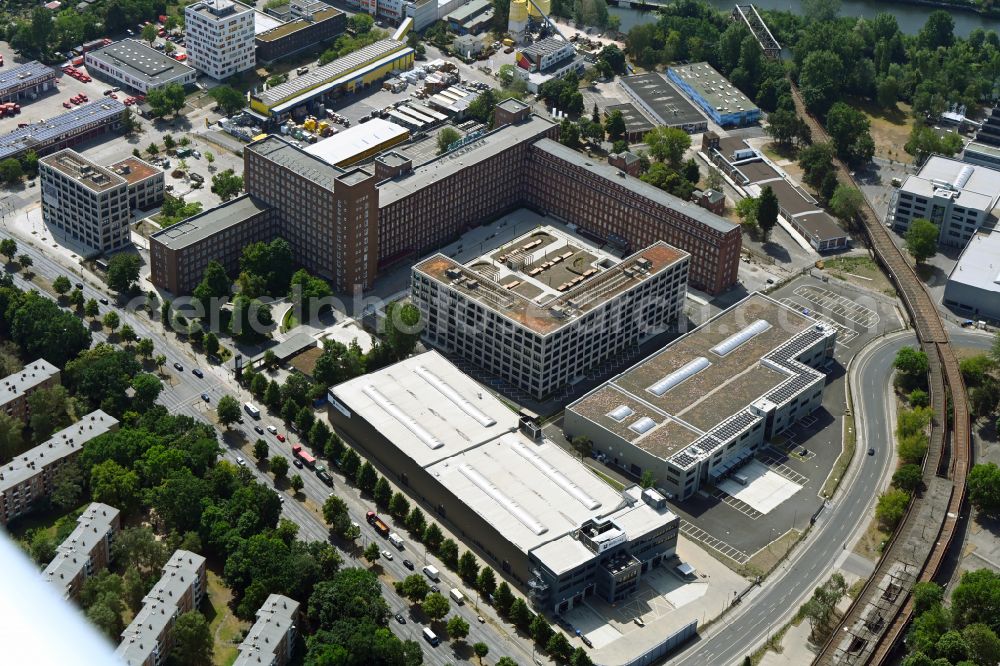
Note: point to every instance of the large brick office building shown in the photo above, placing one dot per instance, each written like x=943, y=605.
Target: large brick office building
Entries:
x=347, y=225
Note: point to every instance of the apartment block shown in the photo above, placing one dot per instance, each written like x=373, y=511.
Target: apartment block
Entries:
x=696, y=411
x=145, y=182
x=220, y=37
x=956, y=196
x=29, y=477
x=86, y=551
x=148, y=639
x=87, y=202
x=543, y=310
x=19, y=386
x=271, y=640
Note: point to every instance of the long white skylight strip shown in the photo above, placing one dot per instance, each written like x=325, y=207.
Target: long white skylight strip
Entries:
x=737, y=339
x=557, y=477
x=686, y=371
x=512, y=507
x=405, y=419
x=460, y=401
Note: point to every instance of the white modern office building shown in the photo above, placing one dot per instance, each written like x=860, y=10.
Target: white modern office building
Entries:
x=973, y=287
x=695, y=411
x=87, y=202
x=543, y=309
x=136, y=65
x=956, y=196
x=220, y=37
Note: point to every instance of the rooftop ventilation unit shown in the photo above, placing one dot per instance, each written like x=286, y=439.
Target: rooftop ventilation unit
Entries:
x=685, y=372
x=737, y=339
x=620, y=413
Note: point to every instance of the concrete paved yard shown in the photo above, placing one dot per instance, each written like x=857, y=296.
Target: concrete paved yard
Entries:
x=765, y=489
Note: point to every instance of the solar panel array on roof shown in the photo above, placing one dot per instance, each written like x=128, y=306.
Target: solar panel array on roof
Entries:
x=17, y=77
x=41, y=135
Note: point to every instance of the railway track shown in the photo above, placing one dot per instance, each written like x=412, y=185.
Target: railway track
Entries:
x=876, y=620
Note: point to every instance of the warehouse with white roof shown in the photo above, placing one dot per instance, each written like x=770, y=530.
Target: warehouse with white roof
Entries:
x=533, y=511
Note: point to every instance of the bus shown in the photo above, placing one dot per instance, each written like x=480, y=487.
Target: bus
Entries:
x=304, y=456
x=251, y=409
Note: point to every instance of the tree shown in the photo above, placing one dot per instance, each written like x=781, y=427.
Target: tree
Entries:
x=67, y=486
x=541, y=630
x=229, y=100
x=448, y=552
x=767, y=211
x=279, y=466
x=849, y=129
x=26, y=262
x=458, y=629
x=350, y=463
x=399, y=506
x=891, y=507
x=227, y=184
x=192, y=638
x=382, y=492
x=821, y=607
x=912, y=362
x=908, y=477
x=260, y=450
x=123, y=271
x=521, y=615
x=111, y=320
x=128, y=334
x=211, y=344
x=402, y=328
x=11, y=171
x=415, y=522
x=446, y=137
x=481, y=650
x=847, y=203
x=372, y=552
x=615, y=126
x=926, y=596
x=11, y=438
x=782, y=126
x=939, y=30
x=210, y=158
x=42, y=329
x=366, y=478
x=922, y=239
x=414, y=587
x=166, y=100
x=228, y=410
x=820, y=80
x=746, y=209
x=506, y=661
x=435, y=606
x=487, y=582
x=432, y=537
x=569, y=134
x=984, y=646
x=147, y=389
x=668, y=144
x=62, y=285
x=974, y=599
x=76, y=299
x=49, y=411
x=296, y=483
x=149, y=33
x=159, y=361
x=503, y=599
x=559, y=647
x=468, y=567
x=8, y=248
x=580, y=658
x=984, y=488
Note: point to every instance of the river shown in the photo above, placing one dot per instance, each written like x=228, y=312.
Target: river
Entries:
x=911, y=18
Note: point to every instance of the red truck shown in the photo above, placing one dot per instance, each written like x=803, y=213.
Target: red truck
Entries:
x=304, y=456
x=377, y=523
x=9, y=109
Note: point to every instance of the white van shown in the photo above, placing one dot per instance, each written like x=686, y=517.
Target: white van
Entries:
x=431, y=637
x=457, y=596
x=432, y=573
x=396, y=541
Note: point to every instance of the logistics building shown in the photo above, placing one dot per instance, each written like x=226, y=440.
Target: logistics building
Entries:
x=567, y=304
x=27, y=80
x=956, y=196
x=80, y=124
x=715, y=95
x=87, y=202
x=973, y=286
x=695, y=411
x=135, y=65
x=148, y=639
x=86, y=551
x=271, y=639
x=533, y=511
x=359, y=143
x=662, y=102
x=29, y=477
x=344, y=75
x=220, y=37
x=18, y=387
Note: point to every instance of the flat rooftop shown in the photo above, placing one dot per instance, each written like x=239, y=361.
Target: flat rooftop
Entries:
x=32, y=375
x=141, y=62
x=984, y=148
x=61, y=444
x=674, y=397
x=820, y=226
x=975, y=187
x=264, y=23
x=214, y=10
x=71, y=123
x=713, y=87
x=634, y=120
x=547, y=277
x=25, y=74
x=274, y=619
x=345, y=147
x=73, y=555
x=317, y=77
x=544, y=47
x=640, y=187
x=482, y=149
x=285, y=29
x=74, y=165
x=134, y=170
x=278, y=150
x=207, y=223
x=469, y=10
x=668, y=105
x=979, y=265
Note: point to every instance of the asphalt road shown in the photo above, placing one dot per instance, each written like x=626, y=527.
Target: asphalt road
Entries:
x=182, y=395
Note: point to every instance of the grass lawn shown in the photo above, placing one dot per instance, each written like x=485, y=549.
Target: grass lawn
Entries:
x=890, y=129
x=226, y=628
x=45, y=521
x=767, y=558
x=862, y=271
x=289, y=321
x=870, y=544
x=843, y=460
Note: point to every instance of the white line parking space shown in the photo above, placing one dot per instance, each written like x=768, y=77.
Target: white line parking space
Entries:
x=839, y=305
x=845, y=334
x=718, y=545
x=774, y=463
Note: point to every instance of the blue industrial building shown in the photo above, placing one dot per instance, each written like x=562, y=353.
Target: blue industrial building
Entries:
x=715, y=95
